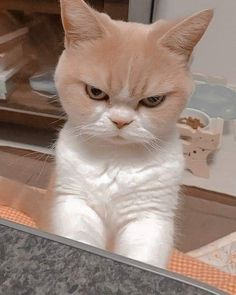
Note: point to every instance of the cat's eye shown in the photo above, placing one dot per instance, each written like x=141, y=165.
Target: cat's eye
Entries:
x=96, y=93
x=153, y=101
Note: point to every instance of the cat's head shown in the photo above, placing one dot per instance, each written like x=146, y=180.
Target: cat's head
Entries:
x=125, y=82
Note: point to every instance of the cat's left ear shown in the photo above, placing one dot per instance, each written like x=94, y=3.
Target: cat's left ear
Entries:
x=81, y=22
x=184, y=36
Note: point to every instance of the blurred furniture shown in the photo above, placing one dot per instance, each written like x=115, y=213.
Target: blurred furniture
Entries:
x=42, y=17
x=115, y=8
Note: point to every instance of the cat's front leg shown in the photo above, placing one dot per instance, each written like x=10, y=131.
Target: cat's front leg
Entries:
x=73, y=218
x=149, y=240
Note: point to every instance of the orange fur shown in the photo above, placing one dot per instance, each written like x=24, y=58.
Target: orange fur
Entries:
x=135, y=59
x=119, y=159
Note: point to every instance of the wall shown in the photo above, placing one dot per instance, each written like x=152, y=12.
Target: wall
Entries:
x=216, y=54
x=140, y=11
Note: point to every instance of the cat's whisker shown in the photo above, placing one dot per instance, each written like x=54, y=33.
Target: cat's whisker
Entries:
x=160, y=140
x=154, y=145
x=145, y=145
x=81, y=129
x=75, y=130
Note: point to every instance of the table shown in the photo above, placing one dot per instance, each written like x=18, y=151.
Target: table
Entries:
x=33, y=262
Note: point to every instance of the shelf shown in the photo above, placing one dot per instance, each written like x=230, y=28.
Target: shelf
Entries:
x=26, y=107
x=41, y=6
x=117, y=9
x=23, y=99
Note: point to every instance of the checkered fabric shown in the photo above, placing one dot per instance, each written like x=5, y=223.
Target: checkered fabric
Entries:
x=16, y=216
x=180, y=263
x=193, y=268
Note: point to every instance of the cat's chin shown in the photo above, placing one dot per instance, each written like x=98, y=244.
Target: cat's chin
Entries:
x=117, y=140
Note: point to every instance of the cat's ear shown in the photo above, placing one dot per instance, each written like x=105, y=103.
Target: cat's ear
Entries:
x=184, y=36
x=80, y=22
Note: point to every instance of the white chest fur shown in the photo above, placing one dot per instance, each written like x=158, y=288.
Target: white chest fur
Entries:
x=112, y=190
x=101, y=174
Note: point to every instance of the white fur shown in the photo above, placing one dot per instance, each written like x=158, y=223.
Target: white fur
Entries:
x=117, y=197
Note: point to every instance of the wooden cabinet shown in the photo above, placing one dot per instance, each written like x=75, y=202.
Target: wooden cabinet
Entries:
x=44, y=45
x=117, y=9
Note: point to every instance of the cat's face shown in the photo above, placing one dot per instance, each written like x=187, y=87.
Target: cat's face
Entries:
x=125, y=82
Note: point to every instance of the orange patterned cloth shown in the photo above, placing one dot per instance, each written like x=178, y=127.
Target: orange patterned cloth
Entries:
x=200, y=271
x=16, y=216
x=180, y=263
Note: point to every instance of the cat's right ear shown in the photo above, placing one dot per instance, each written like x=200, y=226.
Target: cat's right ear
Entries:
x=80, y=22
x=184, y=36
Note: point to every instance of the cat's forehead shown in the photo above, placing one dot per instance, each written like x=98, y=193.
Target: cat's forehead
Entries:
x=128, y=63
x=122, y=70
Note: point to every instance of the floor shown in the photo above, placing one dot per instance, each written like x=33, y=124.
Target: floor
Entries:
x=198, y=221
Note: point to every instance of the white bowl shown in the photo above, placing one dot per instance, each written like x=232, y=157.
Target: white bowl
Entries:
x=203, y=117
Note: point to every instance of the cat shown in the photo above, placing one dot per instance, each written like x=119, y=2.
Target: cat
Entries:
x=119, y=160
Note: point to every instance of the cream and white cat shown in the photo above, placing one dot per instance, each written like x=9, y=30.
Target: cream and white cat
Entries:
x=119, y=160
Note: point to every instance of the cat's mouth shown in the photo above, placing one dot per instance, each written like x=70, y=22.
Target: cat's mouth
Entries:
x=118, y=139
x=123, y=139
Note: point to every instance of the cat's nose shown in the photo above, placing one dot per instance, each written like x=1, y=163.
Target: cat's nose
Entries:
x=121, y=123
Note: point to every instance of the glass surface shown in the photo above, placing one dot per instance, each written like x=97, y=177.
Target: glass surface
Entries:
x=215, y=100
